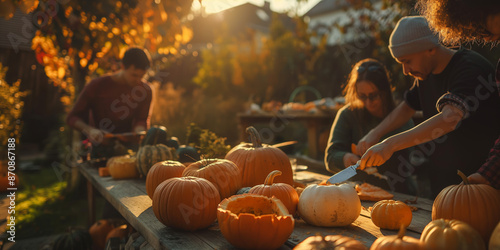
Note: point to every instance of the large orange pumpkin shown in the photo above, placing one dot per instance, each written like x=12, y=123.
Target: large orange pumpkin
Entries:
x=284, y=192
x=451, y=234
x=253, y=221
x=330, y=242
x=256, y=160
x=329, y=205
x=391, y=214
x=160, y=172
x=188, y=203
x=475, y=204
x=224, y=174
x=399, y=241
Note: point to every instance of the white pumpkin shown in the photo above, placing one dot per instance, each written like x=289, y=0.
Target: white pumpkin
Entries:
x=329, y=205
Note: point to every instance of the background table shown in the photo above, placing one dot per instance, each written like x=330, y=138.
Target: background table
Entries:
x=276, y=122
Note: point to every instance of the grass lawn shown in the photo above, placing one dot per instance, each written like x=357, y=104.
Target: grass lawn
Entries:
x=45, y=207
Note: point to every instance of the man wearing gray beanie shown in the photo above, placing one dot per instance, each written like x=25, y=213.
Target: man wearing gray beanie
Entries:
x=455, y=90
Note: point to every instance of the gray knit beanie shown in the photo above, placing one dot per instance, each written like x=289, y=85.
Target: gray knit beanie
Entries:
x=411, y=35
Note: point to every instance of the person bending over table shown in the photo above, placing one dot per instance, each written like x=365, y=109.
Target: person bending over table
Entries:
x=459, y=104
x=368, y=100
x=115, y=103
x=469, y=21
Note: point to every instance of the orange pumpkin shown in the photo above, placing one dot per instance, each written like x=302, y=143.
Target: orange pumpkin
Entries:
x=5, y=182
x=475, y=204
x=330, y=242
x=188, y=203
x=399, y=241
x=222, y=173
x=451, y=234
x=98, y=232
x=495, y=239
x=390, y=214
x=122, y=167
x=256, y=160
x=284, y=192
x=253, y=221
x=160, y=172
x=121, y=232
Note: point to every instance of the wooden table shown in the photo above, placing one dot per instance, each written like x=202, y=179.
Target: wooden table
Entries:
x=277, y=122
x=129, y=197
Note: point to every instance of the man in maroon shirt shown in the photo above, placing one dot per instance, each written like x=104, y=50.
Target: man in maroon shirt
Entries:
x=116, y=103
x=469, y=21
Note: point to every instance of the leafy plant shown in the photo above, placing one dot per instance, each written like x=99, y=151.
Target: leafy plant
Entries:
x=209, y=144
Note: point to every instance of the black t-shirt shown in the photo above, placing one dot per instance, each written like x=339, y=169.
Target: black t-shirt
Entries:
x=468, y=83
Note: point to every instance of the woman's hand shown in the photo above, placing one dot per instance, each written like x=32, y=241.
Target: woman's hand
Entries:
x=350, y=159
x=366, y=142
x=477, y=178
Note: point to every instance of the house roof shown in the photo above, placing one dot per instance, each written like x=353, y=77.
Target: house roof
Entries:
x=237, y=19
x=325, y=6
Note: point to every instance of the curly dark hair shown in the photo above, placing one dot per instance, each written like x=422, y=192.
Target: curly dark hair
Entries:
x=459, y=21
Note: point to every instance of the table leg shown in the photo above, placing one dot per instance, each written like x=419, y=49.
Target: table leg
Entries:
x=91, y=203
x=312, y=139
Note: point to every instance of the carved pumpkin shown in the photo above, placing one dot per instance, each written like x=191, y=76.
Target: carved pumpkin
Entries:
x=330, y=242
x=256, y=160
x=495, y=239
x=390, y=214
x=122, y=167
x=329, y=205
x=188, y=203
x=253, y=221
x=284, y=192
x=149, y=155
x=451, y=234
x=160, y=172
x=399, y=241
x=475, y=204
x=98, y=232
x=222, y=173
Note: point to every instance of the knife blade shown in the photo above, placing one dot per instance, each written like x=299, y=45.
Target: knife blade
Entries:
x=344, y=174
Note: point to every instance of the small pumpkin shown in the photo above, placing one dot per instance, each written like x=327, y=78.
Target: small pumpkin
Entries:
x=222, y=173
x=98, y=232
x=474, y=204
x=284, y=192
x=399, y=241
x=122, y=167
x=251, y=221
x=121, y=232
x=74, y=239
x=330, y=242
x=495, y=239
x=160, y=172
x=188, y=203
x=390, y=214
x=149, y=155
x=451, y=234
x=329, y=205
x=155, y=135
x=256, y=160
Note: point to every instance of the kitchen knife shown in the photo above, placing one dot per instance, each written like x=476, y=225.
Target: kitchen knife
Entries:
x=345, y=174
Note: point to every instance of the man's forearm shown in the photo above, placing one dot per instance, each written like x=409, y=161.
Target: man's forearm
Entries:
x=397, y=118
x=431, y=129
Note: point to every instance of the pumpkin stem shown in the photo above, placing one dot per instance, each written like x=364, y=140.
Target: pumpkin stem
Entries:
x=464, y=178
x=270, y=177
x=402, y=231
x=255, y=137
